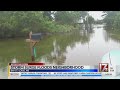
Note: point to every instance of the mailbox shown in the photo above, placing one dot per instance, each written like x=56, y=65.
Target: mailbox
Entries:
x=37, y=36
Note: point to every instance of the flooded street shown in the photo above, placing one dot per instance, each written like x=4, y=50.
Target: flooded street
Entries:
x=92, y=51
x=76, y=48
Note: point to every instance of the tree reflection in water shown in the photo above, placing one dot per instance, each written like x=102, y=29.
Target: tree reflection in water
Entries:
x=60, y=44
x=111, y=34
x=51, y=49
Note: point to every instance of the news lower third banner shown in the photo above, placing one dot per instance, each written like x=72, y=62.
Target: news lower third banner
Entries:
x=40, y=70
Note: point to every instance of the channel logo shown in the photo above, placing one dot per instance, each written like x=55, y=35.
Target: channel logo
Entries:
x=103, y=67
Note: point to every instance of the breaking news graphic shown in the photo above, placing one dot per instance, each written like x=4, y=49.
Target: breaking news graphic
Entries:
x=41, y=71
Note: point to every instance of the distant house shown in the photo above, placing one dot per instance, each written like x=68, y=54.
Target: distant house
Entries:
x=80, y=21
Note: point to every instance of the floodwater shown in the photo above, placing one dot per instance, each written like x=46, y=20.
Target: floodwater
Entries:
x=81, y=47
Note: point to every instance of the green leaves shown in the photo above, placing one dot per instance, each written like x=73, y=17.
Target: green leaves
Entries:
x=112, y=19
x=90, y=20
x=67, y=17
x=20, y=23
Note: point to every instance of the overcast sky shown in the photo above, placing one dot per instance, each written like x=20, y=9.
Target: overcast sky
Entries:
x=96, y=14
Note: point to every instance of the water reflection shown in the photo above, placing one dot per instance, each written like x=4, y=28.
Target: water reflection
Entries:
x=106, y=36
x=91, y=52
x=62, y=42
x=113, y=37
x=80, y=47
x=4, y=70
x=109, y=35
x=51, y=49
x=56, y=56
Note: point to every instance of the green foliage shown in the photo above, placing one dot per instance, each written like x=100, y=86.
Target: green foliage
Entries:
x=90, y=20
x=112, y=21
x=47, y=14
x=83, y=13
x=20, y=23
x=67, y=17
x=112, y=18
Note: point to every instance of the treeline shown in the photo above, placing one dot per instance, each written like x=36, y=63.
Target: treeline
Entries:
x=20, y=23
x=112, y=20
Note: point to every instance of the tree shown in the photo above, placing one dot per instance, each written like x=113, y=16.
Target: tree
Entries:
x=67, y=17
x=83, y=14
x=90, y=20
x=48, y=14
x=110, y=17
x=112, y=20
x=20, y=23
